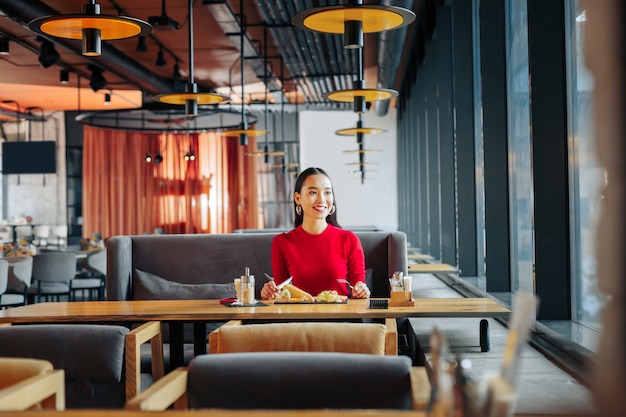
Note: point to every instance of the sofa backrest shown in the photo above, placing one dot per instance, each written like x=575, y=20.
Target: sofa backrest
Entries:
x=304, y=380
x=219, y=258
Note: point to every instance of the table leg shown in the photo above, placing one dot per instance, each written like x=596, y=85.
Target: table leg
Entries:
x=485, y=345
x=199, y=339
x=176, y=345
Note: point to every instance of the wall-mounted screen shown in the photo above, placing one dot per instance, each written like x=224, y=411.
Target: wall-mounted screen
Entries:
x=29, y=157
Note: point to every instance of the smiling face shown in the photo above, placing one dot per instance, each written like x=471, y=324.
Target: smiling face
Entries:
x=315, y=197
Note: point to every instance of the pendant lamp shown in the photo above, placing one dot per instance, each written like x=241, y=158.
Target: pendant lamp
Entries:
x=191, y=97
x=353, y=19
x=359, y=129
x=91, y=27
x=243, y=132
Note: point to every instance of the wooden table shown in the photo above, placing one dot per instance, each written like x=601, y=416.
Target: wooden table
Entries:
x=426, y=268
x=420, y=257
x=212, y=310
x=200, y=312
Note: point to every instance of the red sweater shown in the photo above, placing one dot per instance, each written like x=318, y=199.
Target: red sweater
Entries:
x=317, y=261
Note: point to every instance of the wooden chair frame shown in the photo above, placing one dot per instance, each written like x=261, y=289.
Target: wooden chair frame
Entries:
x=46, y=390
x=147, y=332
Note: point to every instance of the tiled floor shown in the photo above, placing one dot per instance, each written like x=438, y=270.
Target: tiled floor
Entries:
x=542, y=386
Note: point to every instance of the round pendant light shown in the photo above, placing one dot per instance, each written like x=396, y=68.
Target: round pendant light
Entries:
x=91, y=27
x=191, y=98
x=353, y=19
x=359, y=130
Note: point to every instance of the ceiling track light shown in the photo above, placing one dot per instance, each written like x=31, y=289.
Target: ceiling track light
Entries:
x=64, y=76
x=176, y=75
x=191, y=98
x=160, y=61
x=142, y=45
x=91, y=27
x=353, y=19
x=5, y=47
x=48, y=54
x=97, y=81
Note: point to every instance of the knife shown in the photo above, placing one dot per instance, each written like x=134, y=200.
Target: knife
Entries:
x=282, y=284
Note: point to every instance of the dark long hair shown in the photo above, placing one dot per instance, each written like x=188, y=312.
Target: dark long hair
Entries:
x=331, y=218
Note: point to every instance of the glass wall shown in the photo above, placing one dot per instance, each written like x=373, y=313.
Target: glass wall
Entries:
x=586, y=175
x=520, y=171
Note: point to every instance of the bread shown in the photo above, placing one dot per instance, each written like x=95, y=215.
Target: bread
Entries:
x=291, y=291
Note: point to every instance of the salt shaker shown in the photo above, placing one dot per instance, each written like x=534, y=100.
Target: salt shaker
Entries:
x=247, y=287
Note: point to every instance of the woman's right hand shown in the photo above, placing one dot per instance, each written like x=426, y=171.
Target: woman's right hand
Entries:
x=269, y=291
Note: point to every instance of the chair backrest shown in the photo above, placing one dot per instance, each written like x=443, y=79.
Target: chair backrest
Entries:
x=299, y=337
x=6, y=233
x=299, y=380
x=91, y=355
x=30, y=383
x=4, y=276
x=42, y=231
x=23, y=232
x=54, y=266
x=97, y=261
x=59, y=231
x=20, y=272
x=13, y=370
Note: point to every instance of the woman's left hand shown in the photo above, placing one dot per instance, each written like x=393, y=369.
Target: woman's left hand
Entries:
x=360, y=290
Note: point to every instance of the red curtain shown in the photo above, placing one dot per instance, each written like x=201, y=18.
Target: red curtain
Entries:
x=123, y=194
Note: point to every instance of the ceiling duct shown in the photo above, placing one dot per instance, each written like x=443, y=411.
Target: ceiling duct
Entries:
x=116, y=62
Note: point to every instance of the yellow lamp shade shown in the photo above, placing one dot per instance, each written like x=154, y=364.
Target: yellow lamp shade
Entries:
x=181, y=98
x=368, y=94
x=374, y=18
x=249, y=132
x=71, y=26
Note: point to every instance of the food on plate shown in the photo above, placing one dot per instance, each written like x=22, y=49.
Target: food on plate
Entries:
x=290, y=291
x=328, y=296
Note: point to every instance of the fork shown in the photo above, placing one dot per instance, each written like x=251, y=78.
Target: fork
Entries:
x=345, y=281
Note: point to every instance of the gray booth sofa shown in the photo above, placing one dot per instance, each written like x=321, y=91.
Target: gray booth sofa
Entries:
x=204, y=266
x=219, y=258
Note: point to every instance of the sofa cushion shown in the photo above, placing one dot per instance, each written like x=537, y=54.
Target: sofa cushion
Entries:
x=313, y=337
x=148, y=286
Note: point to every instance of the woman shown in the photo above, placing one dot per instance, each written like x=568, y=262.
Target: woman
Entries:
x=317, y=252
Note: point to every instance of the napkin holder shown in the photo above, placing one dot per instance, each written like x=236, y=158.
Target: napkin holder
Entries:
x=398, y=299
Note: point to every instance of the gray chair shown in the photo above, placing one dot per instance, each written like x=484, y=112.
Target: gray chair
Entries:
x=20, y=275
x=52, y=273
x=90, y=280
x=304, y=380
x=101, y=362
x=8, y=299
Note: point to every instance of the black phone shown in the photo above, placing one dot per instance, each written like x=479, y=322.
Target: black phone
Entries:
x=378, y=304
